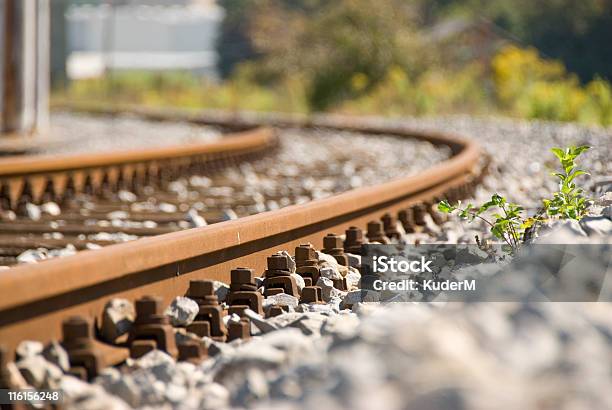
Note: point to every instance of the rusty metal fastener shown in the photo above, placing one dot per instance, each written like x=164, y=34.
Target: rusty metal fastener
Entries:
x=240, y=330
x=353, y=241
x=334, y=246
x=5, y=376
x=375, y=232
x=436, y=216
x=277, y=276
x=202, y=291
x=243, y=290
x=275, y=311
x=340, y=284
x=390, y=226
x=312, y=294
x=77, y=338
x=419, y=212
x=406, y=217
x=151, y=326
x=307, y=263
x=192, y=351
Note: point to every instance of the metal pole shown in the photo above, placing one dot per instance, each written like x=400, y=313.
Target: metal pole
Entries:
x=24, y=62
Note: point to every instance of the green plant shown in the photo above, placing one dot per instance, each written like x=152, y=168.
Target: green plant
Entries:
x=508, y=224
x=569, y=202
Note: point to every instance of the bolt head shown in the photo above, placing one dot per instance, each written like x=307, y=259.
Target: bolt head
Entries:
x=305, y=252
x=200, y=288
x=354, y=234
x=375, y=227
x=76, y=327
x=149, y=306
x=278, y=262
x=242, y=276
x=332, y=241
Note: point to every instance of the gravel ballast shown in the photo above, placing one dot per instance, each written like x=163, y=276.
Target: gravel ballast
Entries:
x=409, y=356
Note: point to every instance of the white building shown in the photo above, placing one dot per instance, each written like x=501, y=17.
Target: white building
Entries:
x=144, y=35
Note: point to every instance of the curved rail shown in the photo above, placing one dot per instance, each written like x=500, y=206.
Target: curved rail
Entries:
x=39, y=177
x=36, y=298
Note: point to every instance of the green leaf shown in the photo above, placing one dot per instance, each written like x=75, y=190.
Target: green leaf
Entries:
x=579, y=150
x=575, y=174
x=558, y=153
x=445, y=207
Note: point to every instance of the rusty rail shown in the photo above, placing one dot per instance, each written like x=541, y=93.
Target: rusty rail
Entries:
x=38, y=178
x=36, y=298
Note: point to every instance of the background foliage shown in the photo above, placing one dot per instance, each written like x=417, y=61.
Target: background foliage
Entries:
x=547, y=59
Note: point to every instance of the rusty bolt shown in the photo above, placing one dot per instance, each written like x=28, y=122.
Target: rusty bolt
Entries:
x=278, y=262
x=304, y=253
x=149, y=306
x=375, y=232
x=200, y=328
x=239, y=330
x=354, y=235
x=390, y=226
x=311, y=294
x=275, y=311
x=332, y=241
x=419, y=212
x=76, y=328
x=200, y=288
x=242, y=276
x=406, y=217
x=354, y=240
x=191, y=351
x=274, y=291
x=139, y=348
x=238, y=310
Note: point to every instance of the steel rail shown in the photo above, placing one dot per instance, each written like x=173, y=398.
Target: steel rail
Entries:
x=30, y=177
x=36, y=298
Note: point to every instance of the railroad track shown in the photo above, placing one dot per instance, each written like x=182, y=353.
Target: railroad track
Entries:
x=37, y=299
x=92, y=189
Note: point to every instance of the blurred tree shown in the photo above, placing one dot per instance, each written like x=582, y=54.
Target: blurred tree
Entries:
x=233, y=43
x=576, y=32
x=340, y=49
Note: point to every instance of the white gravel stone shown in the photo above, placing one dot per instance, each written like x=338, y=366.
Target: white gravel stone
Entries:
x=127, y=196
x=33, y=211
x=214, y=396
x=81, y=395
x=281, y=299
x=299, y=281
x=262, y=324
x=328, y=290
x=55, y=353
x=117, y=319
x=358, y=296
x=596, y=225
x=354, y=260
x=29, y=348
x=221, y=290
x=32, y=255
x=330, y=272
x=51, y=208
x=195, y=219
x=182, y=311
x=289, y=260
x=39, y=373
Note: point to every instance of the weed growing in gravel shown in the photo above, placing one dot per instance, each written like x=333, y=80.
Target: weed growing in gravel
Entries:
x=509, y=224
x=569, y=202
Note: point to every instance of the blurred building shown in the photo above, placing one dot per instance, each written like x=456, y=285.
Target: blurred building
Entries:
x=142, y=35
x=465, y=40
